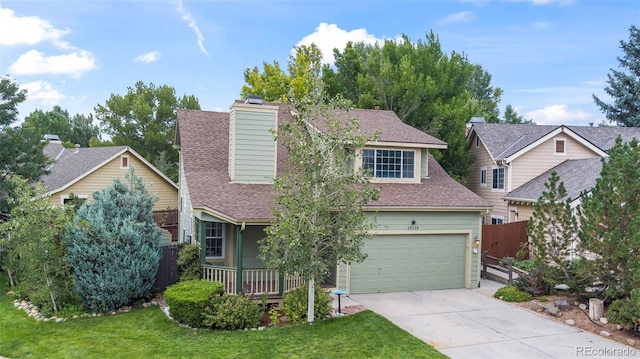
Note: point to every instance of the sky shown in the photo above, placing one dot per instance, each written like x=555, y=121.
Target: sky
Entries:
x=549, y=56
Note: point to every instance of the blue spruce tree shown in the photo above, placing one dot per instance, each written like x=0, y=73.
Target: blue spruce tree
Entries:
x=112, y=245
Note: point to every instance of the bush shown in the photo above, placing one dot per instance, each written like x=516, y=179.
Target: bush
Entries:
x=296, y=304
x=113, y=246
x=533, y=283
x=512, y=294
x=189, y=263
x=625, y=311
x=231, y=312
x=526, y=265
x=187, y=300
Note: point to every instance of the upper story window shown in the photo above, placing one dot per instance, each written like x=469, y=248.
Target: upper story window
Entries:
x=483, y=176
x=560, y=146
x=124, y=161
x=497, y=178
x=387, y=163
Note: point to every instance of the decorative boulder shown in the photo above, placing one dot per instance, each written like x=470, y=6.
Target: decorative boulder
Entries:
x=563, y=305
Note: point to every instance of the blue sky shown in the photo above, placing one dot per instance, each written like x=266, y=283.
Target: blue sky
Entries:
x=549, y=56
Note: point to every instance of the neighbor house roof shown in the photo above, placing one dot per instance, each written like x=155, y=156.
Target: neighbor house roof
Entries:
x=204, y=145
x=70, y=165
x=506, y=140
x=578, y=175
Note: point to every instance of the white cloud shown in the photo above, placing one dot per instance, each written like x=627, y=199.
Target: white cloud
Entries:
x=464, y=16
x=34, y=62
x=148, y=58
x=558, y=115
x=186, y=16
x=541, y=24
x=330, y=36
x=28, y=30
x=44, y=92
x=547, y=2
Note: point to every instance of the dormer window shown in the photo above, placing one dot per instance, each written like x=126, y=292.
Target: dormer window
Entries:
x=389, y=163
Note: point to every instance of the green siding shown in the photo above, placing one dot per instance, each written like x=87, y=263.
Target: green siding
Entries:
x=250, y=248
x=425, y=221
x=411, y=262
x=423, y=162
x=255, y=151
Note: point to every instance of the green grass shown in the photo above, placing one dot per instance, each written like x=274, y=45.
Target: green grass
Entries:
x=148, y=333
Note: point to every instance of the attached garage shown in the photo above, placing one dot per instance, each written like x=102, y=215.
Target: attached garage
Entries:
x=411, y=262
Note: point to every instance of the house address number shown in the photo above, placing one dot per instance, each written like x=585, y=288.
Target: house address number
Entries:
x=413, y=227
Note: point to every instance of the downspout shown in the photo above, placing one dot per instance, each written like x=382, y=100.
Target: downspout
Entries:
x=203, y=244
x=239, y=232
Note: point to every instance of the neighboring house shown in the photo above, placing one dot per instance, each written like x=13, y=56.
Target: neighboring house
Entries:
x=428, y=224
x=82, y=171
x=513, y=162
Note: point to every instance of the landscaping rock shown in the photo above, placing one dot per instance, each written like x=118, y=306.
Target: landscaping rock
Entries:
x=58, y=320
x=536, y=307
x=561, y=287
x=631, y=342
x=551, y=310
x=605, y=333
x=582, y=306
x=563, y=305
x=570, y=322
x=604, y=320
x=619, y=327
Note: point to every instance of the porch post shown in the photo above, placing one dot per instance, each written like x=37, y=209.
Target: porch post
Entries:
x=280, y=282
x=203, y=243
x=239, y=230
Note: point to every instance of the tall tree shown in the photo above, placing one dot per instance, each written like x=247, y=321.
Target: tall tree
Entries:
x=511, y=116
x=113, y=246
x=610, y=222
x=20, y=149
x=304, y=66
x=318, y=220
x=144, y=119
x=553, y=230
x=624, y=85
x=72, y=130
x=484, y=97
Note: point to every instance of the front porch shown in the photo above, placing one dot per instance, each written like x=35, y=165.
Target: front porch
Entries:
x=251, y=281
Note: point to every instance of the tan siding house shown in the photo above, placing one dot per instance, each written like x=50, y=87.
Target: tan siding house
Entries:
x=523, y=156
x=82, y=171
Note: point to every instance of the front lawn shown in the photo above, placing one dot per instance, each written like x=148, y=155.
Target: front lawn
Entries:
x=148, y=333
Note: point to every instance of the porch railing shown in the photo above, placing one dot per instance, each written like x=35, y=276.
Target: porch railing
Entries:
x=254, y=280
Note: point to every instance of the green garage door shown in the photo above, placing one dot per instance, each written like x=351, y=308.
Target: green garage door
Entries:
x=410, y=262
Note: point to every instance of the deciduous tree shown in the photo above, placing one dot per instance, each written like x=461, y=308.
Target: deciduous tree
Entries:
x=20, y=149
x=144, y=119
x=72, y=130
x=624, y=85
x=319, y=218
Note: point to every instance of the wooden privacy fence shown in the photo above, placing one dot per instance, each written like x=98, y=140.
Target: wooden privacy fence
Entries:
x=168, y=267
x=504, y=240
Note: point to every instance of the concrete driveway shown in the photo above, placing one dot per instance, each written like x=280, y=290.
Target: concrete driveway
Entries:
x=464, y=323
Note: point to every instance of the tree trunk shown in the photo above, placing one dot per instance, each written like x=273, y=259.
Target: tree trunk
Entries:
x=596, y=308
x=311, y=302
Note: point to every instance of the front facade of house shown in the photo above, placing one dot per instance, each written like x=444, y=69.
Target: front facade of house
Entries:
x=428, y=225
x=514, y=161
x=82, y=171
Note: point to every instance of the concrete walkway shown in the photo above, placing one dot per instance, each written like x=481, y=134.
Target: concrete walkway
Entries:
x=464, y=323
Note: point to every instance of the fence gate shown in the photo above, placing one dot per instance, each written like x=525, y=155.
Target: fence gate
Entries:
x=503, y=240
x=168, y=268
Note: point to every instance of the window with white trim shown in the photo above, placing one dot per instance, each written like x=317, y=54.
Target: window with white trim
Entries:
x=497, y=178
x=560, y=147
x=497, y=219
x=388, y=163
x=483, y=176
x=214, y=239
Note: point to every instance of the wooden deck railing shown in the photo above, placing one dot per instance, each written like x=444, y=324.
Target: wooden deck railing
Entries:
x=254, y=280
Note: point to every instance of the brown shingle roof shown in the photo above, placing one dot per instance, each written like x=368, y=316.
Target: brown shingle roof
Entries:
x=204, y=143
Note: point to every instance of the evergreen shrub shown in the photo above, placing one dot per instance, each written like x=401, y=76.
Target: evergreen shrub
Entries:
x=189, y=262
x=187, y=300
